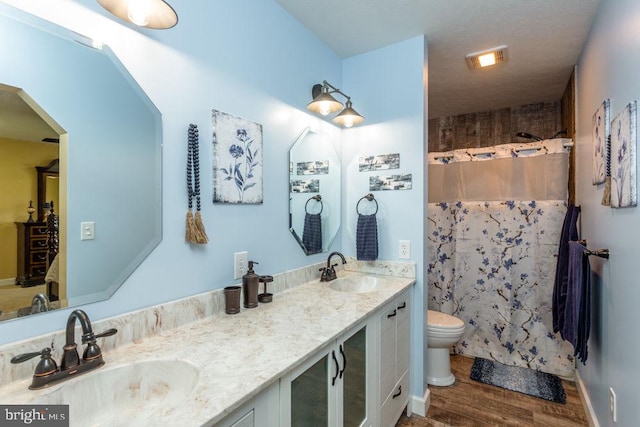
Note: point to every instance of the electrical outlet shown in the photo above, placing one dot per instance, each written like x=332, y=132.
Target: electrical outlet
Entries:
x=240, y=264
x=613, y=405
x=404, y=250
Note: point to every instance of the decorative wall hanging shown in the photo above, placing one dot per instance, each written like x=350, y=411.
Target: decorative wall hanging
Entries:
x=599, y=132
x=390, y=182
x=195, y=232
x=304, y=186
x=379, y=162
x=319, y=167
x=606, y=193
x=623, y=158
x=237, y=159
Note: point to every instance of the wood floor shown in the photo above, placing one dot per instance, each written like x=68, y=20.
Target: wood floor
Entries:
x=470, y=403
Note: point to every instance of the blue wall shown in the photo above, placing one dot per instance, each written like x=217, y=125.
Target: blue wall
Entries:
x=609, y=68
x=387, y=87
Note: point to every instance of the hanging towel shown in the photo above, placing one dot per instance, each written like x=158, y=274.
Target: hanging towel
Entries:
x=569, y=233
x=576, y=322
x=584, y=317
x=367, y=238
x=312, y=233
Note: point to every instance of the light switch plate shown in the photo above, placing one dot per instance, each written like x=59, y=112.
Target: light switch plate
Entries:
x=87, y=230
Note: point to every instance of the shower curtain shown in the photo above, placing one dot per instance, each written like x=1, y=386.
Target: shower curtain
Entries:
x=495, y=216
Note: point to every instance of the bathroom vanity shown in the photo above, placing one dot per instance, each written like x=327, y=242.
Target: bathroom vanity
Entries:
x=344, y=343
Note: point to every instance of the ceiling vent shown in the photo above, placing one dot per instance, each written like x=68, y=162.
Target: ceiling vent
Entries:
x=487, y=58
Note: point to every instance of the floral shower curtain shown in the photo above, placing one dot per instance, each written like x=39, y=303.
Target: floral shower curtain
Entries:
x=495, y=219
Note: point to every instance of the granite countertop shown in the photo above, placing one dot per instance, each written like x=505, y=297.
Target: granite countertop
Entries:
x=238, y=356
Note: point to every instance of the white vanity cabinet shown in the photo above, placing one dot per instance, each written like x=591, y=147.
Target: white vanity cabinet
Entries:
x=333, y=387
x=394, y=347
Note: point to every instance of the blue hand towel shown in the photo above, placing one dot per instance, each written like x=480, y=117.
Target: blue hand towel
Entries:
x=367, y=238
x=569, y=233
x=312, y=233
x=576, y=324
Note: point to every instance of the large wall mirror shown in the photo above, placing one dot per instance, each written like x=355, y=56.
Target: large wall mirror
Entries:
x=100, y=161
x=314, y=191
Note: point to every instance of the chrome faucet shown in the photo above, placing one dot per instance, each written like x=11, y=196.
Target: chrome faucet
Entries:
x=329, y=272
x=40, y=303
x=47, y=371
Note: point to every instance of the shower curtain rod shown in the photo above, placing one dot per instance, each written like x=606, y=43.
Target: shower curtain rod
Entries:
x=491, y=150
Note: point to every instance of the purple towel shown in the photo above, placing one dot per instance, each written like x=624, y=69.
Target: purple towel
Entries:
x=576, y=323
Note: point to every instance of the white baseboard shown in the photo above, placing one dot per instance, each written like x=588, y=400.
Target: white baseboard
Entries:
x=419, y=405
x=586, y=402
x=9, y=281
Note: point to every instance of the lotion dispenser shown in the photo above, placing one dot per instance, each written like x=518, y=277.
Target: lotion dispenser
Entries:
x=250, y=284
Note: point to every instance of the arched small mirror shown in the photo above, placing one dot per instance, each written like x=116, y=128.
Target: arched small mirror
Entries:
x=314, y=191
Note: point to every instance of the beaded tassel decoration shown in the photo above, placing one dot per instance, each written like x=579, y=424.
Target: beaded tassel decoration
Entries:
x=195, y=232
x=606, y=194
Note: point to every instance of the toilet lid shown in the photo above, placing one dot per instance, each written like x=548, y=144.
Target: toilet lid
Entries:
x=439, y=319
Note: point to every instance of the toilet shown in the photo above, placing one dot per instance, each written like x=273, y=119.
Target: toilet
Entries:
x=443, y=331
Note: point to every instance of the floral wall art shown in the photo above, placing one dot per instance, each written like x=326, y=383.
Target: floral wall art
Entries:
x=623, y=158
x=599, y=134
x=237, y=159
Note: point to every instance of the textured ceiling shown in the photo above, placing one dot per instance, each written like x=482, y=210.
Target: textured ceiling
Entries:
x=545, y=38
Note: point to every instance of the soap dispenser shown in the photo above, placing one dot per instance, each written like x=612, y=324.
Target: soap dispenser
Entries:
x=250, y=284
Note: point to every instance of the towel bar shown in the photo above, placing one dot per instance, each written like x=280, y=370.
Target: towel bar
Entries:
x=600, y=253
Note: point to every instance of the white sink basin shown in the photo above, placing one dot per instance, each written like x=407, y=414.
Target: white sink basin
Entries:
x=356, y=284
x=136, y=394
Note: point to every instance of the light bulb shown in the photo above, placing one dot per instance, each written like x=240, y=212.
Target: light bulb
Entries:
x=487, y=59
x=325, y=108
x=348, y=121
x=139, y=11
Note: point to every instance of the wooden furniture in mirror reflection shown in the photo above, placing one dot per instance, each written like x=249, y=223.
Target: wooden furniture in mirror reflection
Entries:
x=32, y=253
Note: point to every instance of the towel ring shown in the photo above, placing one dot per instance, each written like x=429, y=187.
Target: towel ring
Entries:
x=317, y=198
x=370, y=198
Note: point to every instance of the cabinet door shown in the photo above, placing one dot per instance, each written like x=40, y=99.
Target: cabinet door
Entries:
x=307, y=393
x=403, y=335
x=388, y=376
x=354, y=376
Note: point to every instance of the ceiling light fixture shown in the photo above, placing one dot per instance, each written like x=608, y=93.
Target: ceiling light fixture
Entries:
x=156, y=14
x=324, y=103
x=487, y=58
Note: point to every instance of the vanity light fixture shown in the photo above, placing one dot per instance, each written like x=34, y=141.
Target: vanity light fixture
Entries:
x=324, y=103
x=156, y=14
x=487, y=58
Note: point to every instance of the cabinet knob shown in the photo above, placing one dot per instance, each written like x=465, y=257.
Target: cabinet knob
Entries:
x=404, y=305
x=392, y=314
